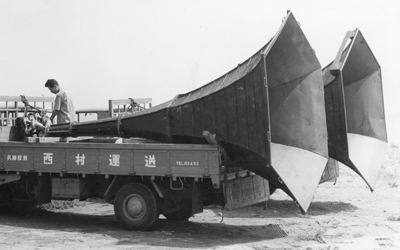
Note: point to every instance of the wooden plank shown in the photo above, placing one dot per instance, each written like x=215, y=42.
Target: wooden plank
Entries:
x=47, y=139
x=29, y=98
x=245, y=191
x=128, y=101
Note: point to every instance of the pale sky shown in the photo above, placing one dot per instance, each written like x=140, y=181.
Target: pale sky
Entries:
x=101, y=50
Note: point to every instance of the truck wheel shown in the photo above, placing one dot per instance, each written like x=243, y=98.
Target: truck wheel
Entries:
x=136, y=207
x=181, y=215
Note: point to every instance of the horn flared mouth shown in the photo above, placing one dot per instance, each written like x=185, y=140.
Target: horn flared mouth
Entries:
x=354, y=108
x=300, y=170
x=366, y=154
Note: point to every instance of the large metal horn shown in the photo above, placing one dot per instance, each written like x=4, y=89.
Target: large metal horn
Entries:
x=354, y=108
x=268, y=114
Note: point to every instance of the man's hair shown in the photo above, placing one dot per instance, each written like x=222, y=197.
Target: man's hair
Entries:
x=51, y=83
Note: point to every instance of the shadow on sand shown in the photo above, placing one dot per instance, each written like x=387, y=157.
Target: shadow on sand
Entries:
x=166, y=233
x=286, y=209
x=178, y=234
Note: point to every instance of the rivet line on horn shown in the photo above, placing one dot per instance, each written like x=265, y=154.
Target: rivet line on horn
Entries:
x=265, y=82
x=119, y=123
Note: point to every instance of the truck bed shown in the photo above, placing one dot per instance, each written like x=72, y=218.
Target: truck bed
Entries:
x=172, y=160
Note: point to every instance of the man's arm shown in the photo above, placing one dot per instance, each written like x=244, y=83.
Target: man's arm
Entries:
x=46, y=123
x=54, y=114
x=56, y=108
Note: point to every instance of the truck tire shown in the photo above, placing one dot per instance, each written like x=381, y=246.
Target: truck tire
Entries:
x=136, y=207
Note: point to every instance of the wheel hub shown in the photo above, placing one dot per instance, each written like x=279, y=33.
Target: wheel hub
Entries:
x=134, y=206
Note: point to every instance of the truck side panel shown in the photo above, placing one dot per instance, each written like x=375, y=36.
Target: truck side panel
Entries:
x=84, y=161
x=51, y=160
x=113, y=159
x=151, y=162
x=18, y=159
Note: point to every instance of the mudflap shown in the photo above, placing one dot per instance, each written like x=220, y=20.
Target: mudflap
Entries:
x=44, y=189
x=244, y=188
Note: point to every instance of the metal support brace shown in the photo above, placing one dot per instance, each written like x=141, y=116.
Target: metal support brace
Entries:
x=337, y=63
x=156, y=188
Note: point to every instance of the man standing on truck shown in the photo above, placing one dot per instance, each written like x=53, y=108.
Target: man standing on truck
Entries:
x=63, y=105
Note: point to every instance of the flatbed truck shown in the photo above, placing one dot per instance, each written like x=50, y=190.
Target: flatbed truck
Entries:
x=142, y=179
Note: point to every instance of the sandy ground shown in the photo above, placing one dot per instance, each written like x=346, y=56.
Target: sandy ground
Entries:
x=345, y=215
